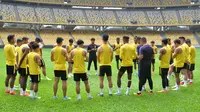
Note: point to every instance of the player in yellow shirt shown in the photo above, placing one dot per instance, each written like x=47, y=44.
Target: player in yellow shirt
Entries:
x=185, y=69
x=164, y=57
x=69, y=48
x=116, y=48
x=59, y=57
x=34, y=62
x=79, y=56
x=23, y=66
x=192, y=56
x=105, y=57
x=127, y=56
x=179, y=60
x=10, y=54
x=39, y=41
x=17, y=48
x=155, y=50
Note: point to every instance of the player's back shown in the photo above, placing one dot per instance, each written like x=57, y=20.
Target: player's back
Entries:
x=34, y=68
x=79, y=60
x=105, y=56
x=9, y=51
x=59, y=58
x=127, y=54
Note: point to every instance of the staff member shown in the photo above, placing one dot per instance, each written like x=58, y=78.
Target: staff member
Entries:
x=92, y=49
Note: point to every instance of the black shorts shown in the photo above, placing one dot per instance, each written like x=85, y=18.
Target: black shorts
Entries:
x=23, y=71
x=60, y=74
x=163, y=71
x=71, y=63
x=177, y=69
x=80, y=76
x=186, y=66
x=153, y=61
x=105, y=70
x=191, y=67
x=42, y=63
x=129, y=69
x=11, y=70
x=35, y=78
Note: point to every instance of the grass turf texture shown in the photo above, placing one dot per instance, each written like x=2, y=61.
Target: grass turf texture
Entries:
x=187, y=99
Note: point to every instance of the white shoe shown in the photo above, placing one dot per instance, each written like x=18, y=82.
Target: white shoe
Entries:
x=127, y=93
x=79, y=98
x=47, y=78
x=101, y=95
x=90, y=97
x=55, y=97
x=66, y=98
x=174, y=87
x=118, y=93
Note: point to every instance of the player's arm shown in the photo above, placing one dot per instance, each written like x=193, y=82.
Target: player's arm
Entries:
x=25, y=52
x=71, y=56
x=140, y=57
x=98, y=54
x=41, y=51
x=111, y=54
x=17, y=57
x=114, y=47
x=85, y=55
x=52, y=56
x=156, y=50
x=38, y=60
x=161, y=53
x=64, y=53
x=121, y=53
x=176, y=52
x=134, y=57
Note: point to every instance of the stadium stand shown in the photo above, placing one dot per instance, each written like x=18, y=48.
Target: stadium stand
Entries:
x=152, y=2
x=19, y=33
x=155, y=17
x=44, y=15
x=77, y=16
x=187, y=16
x=187, y=34
x=86, y=36
x=8, y=12
x=108, y=17
x=26, y=14
x=184, y=1
x=49, y=36
x=170, y=17
x=92, y=2
x=155, y=36
x=44, y=1
x=94, y=17
x=169, y=2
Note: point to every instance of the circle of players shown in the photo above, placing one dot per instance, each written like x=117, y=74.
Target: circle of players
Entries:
x=26, y=58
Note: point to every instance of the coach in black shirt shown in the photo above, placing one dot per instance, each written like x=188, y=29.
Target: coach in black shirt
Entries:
x=92, y=49
x=145, y=56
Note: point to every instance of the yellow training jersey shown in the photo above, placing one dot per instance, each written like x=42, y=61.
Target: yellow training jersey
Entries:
x=185, y=51
x=165, y=60
x=79, y=61
x=69, y=49
x=34, y=68
x=154, y=50
x=105, y=55
x=10, y=54
x=127, y=54
x=192, y=54
x=117, y=49
x=59, y=58
x=179, y=59
x=24, y=62
x=39, y=52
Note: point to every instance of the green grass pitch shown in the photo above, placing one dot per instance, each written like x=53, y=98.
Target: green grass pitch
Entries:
x=187, y=99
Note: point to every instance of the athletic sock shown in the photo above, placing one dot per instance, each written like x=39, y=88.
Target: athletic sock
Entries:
x=139, y=91
x=166, y=88
x=110, y=90
x=7, y=88
x=191, y=80
x=119, y=90
x=128, y=89
x=185, y=82
x=11, y=89
x=31, y=93
x=101, y=90
x=35, y=94
x=79, y=96
x=89, y=95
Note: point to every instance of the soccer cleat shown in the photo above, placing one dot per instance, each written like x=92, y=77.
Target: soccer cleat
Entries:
x=161, y=91
x=79, y=98
x=127, y=93
x=138, y=94
x=13, y=93
x=150, y=92
x=175, y=89
x=36, y=97
x=90, y=97
x=7, y=91
x=110, y=94
x=181, y=83
x=66, y=98
x=27, y=94
x=184, y=85
x=101, y=95
x=117, y=93
x=55, y=97
x=190, y=83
